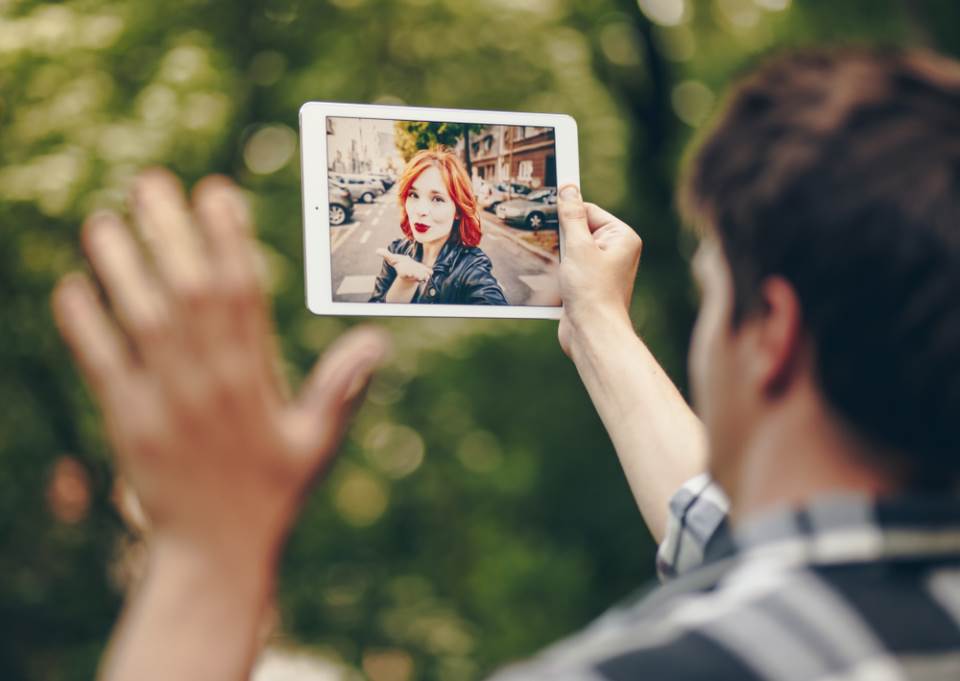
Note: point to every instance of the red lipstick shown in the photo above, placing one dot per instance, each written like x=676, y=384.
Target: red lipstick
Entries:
x=420, y=227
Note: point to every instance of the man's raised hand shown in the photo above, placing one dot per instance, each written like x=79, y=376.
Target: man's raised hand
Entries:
x=185, y=373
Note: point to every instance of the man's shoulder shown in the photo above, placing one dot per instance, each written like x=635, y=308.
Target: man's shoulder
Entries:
x=692, y=656
x=618, y=651
x=759, y=622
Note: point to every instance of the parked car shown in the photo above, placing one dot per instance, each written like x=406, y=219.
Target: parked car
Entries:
x=361, y=188
x=498, y=193
x=377, y=182
x=341, y=205
x=387, y=180
x=534, y=211
x=481, y=188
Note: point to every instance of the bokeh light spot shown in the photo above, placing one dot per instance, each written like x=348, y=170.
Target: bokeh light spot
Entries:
x=692, y=101
x=51, y=27
x=619, y=44
x=480, y=451
x=395, y=449
x=269, y=149
x=183, y=64
x=663, y=12
x=68, y=491
x=157, y=105
x=207, y=111
x=361, y=498
x=740, y=14
x=773, y=5
x=568, y=48
x=388, y=665
x=99, y=32
x=389, y=100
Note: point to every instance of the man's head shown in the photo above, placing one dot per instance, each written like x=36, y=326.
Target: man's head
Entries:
x=829, y=191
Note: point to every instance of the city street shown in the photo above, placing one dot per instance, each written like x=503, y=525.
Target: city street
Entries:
x=522, y=271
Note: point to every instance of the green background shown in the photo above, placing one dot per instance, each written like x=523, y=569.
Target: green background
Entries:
x=478, y=511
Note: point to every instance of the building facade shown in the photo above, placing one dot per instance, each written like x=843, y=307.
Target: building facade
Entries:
x=530, y=154
x=522, y=154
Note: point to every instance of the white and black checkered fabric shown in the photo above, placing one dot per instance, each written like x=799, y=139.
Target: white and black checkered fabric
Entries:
x=696, y=528
x=847, y=589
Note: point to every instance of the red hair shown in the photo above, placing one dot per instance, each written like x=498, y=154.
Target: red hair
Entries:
x=457, y=182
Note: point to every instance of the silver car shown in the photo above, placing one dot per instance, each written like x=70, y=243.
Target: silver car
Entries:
x=361, y=188
x=534, y=211
x=386, y=179
x=341, y=205
x=498, y=193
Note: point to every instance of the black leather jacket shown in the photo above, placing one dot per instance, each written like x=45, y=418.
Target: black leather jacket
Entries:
x=461, y=276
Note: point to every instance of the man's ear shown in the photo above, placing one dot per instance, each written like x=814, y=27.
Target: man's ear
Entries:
x=778, y=341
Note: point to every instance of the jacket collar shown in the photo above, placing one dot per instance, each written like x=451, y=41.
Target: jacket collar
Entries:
x=447, y=256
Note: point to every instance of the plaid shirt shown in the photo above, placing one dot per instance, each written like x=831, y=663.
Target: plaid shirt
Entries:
x=847, y=589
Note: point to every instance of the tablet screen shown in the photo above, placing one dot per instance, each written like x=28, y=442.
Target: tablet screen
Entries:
x=442, y=213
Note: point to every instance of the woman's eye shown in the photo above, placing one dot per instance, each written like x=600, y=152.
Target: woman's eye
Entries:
x=438, y=199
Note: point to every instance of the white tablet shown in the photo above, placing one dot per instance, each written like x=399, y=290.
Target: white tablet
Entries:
x=427, y=212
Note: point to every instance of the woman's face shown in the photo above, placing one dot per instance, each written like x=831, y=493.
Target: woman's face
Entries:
x=430, y=209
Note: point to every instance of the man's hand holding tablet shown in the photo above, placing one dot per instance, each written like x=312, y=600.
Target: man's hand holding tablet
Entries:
x=658, y=438
x=597, y=274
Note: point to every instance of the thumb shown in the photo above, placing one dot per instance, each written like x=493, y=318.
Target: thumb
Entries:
x=574, y=230
x=332, y=391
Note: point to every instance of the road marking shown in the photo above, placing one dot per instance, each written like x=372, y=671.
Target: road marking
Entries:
x=539, y=282
x=366, y=235
x=375, y=220
x=337, y=243
x=357, y=284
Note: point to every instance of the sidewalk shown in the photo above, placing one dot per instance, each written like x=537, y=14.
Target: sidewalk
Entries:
x=544, y=244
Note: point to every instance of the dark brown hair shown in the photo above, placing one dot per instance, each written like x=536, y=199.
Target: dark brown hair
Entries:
x=840, y=171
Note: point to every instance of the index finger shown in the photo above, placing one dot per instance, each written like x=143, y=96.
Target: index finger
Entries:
x=388, y=256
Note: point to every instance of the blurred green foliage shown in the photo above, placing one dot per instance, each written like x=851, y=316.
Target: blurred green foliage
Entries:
x=413, y=136
x=478, y=511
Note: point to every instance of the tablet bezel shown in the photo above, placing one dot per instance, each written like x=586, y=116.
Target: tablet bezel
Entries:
x=316, y=220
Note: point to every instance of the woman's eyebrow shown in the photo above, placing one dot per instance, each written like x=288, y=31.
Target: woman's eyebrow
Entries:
x=415, y=188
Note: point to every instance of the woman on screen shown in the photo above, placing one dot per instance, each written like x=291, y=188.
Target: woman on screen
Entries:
x=437, y=260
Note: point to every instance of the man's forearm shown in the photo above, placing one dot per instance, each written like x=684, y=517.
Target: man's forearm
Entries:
x=658, y=438
x=192, y=618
